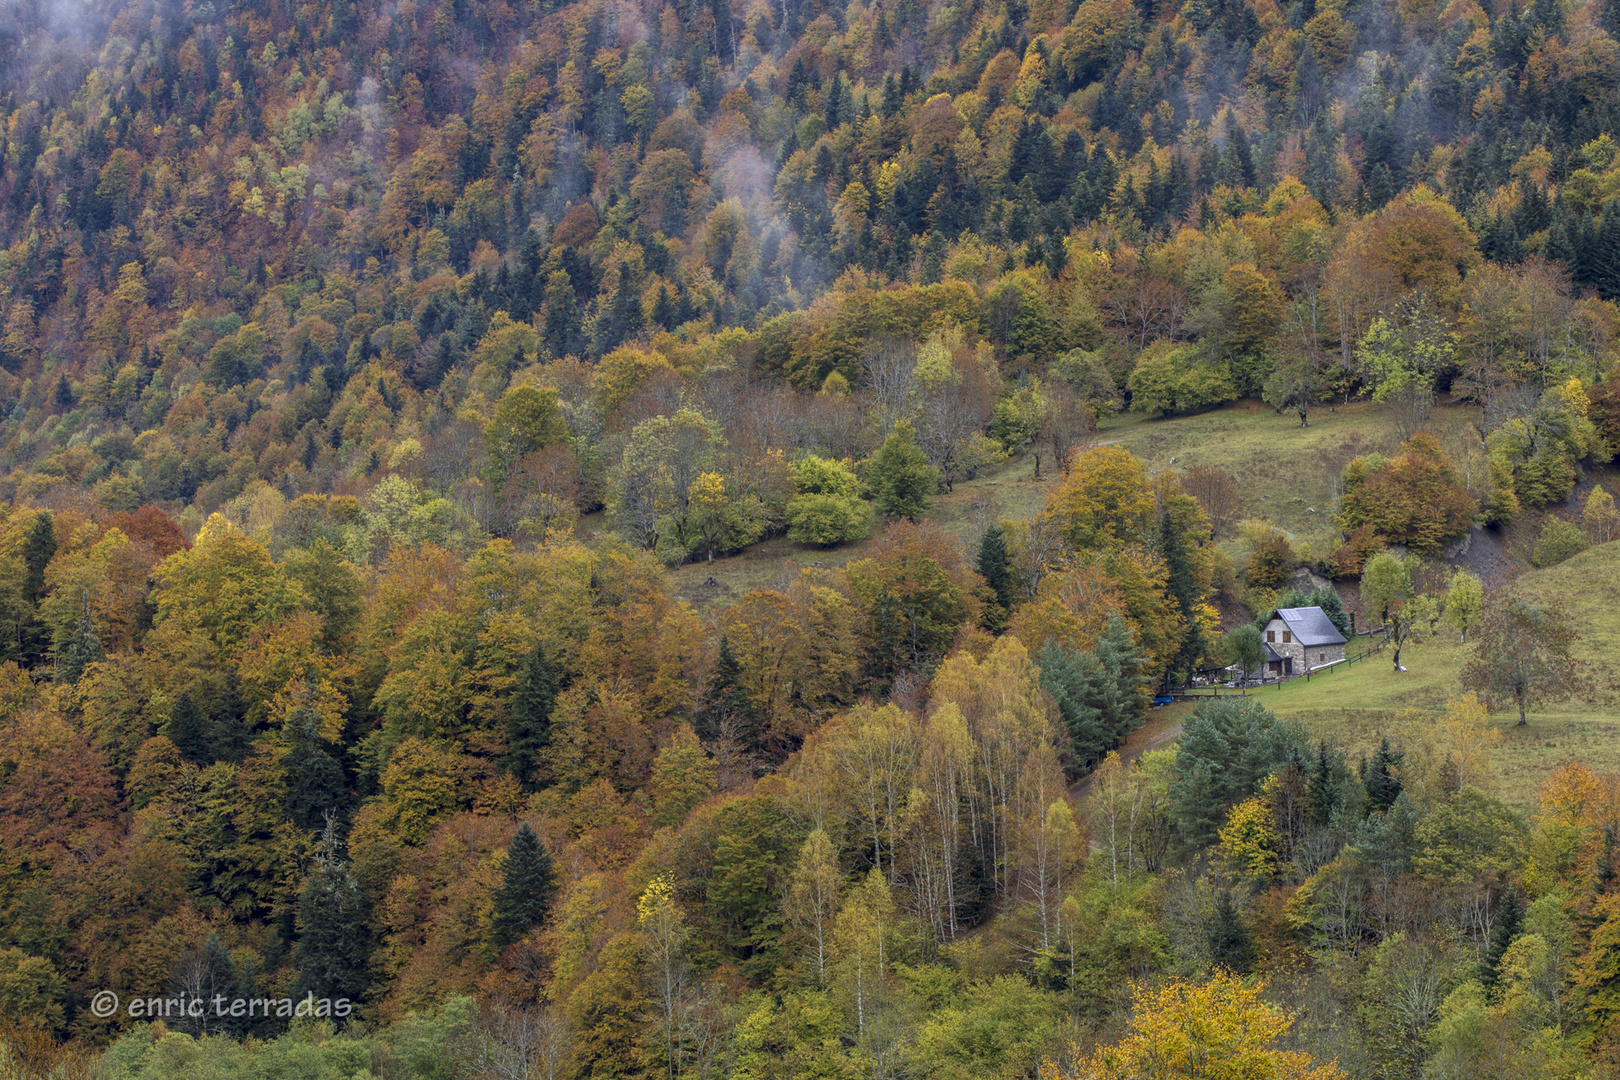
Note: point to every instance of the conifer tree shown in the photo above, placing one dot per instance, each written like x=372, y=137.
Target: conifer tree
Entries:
x=80, y=649
x=524, y=896
x=1182, y=586
x=1078, y=685
x=189, y=731
x=332, y=936
x=1509, y=923
x=1126, y=688
x=528, y=721
x=232, y=730
x=724, y=699
x=1381, y=779
x=1229, y=943
x=992, y=565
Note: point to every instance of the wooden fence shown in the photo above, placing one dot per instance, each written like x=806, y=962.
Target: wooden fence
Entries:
x=1370, y=648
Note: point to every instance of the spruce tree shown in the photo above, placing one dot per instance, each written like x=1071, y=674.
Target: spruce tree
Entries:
x=189, y=731
x=901, y=475
x=524, y=896
x=528, y=722
x=992, y=565
x=332, y=936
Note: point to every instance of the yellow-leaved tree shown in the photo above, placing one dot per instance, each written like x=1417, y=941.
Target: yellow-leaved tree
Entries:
x=1218, y=1030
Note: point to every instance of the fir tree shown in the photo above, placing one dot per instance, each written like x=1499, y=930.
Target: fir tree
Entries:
x=317, y=790
x=724, y=699
x=1324, y=784
x=232, y=730
x=528, y=722
x=1182, y=586
x=1380, y=776
x=332, y=936
x=1229, y=943
x=1079, y=687
x=1509, y=923
x=992, y=565
x=79, y=648
x=1126, y=688
x=524, y=896
x=188, y=730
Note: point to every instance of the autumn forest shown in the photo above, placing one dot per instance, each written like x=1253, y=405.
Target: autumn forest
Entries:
x=596, y=539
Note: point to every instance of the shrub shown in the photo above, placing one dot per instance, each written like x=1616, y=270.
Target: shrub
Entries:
x=1559, y=540
x=828, y=508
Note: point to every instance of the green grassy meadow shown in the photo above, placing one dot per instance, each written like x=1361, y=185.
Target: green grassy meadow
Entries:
x=1005, y=491
x=1284, y=472
x=1356, y=705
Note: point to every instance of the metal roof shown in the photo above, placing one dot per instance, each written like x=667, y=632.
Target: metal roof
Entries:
x=1310, y=626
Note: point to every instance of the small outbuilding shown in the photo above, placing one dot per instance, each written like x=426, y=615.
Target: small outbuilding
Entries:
x=1302, y=639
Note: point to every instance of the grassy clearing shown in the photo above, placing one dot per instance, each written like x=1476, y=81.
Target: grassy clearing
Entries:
x=1007, y=491
x=1284, y=472
x=1357, y=705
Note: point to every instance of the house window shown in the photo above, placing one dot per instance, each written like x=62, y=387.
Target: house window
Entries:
x=1288, y=635
x=1321, y=658
x=1271, y=636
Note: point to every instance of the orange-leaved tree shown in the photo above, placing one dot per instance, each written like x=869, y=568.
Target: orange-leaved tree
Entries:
x=1218, y=1030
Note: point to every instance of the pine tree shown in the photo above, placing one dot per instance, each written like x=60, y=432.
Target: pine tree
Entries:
x=992, y=565
x=528, y=721
x=1229, y=943
x=332, y=936
x=901, y=475
x=524, y=896
x=188, y=730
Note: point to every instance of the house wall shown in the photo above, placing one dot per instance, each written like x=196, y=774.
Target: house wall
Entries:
x=1319, y=654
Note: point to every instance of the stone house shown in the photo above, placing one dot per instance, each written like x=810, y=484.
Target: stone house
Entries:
x=1302, y=639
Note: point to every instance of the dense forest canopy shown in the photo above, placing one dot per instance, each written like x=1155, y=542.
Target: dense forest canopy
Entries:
x=366, y=369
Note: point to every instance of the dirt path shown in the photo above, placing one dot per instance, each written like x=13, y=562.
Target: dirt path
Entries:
x=1163, y=725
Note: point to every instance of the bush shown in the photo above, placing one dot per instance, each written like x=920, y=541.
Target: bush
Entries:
x=828, y=508
x=1560, y=540
x=827, y=519
x=1272, y=561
